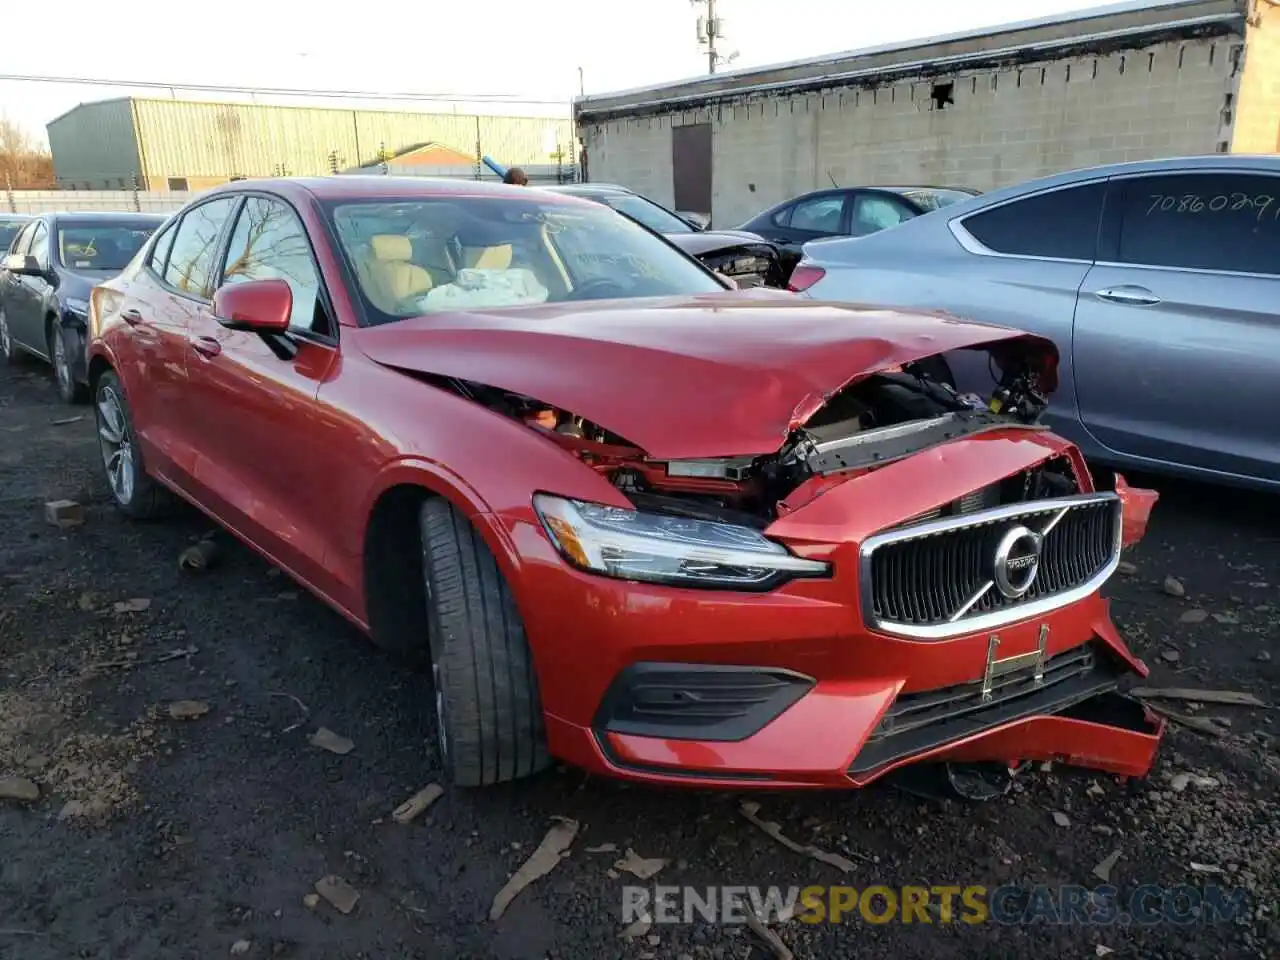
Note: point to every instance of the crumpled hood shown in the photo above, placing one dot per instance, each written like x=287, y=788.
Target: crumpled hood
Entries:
x=709, y=241
x=714, y=375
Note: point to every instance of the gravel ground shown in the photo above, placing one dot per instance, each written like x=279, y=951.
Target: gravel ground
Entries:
x=156, y=836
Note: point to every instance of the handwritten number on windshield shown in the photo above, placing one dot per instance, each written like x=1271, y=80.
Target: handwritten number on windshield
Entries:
x=1231, y=202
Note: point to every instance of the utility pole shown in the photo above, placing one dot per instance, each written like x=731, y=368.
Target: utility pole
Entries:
x=711, y=29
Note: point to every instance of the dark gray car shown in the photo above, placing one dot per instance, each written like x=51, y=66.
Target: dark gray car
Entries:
x=1158, y=281
x=46, y=278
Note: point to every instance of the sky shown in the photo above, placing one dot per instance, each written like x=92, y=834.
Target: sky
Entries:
x=499, y=50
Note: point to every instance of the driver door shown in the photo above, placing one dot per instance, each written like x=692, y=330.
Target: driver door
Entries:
x=264, y=453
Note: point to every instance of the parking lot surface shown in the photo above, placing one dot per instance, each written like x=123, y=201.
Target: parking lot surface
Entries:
x=168, y=829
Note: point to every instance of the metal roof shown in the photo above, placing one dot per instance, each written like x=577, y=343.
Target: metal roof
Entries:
x=1118, y=25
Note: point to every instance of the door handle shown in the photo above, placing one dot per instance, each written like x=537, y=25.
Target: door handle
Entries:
x=1133, y=296
x=206, y=346
x=131, y=317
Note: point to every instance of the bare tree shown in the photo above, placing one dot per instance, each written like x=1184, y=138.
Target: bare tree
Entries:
x=23, y=165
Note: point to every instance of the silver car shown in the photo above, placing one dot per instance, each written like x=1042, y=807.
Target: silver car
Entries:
x=1158, y=281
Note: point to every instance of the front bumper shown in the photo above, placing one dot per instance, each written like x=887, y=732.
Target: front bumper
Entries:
x=846, y=732
x=635, y=678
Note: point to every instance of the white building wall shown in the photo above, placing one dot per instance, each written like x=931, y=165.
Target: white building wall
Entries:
x=634, y=153
x=1003, y=127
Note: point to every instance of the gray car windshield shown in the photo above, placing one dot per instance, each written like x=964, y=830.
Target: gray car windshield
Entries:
x=931, y=199
x=99, y=246
x=427, y=255
x=7, y=232
x=647, y=212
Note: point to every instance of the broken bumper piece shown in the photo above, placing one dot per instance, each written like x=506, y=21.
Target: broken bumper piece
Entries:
x=736, y=726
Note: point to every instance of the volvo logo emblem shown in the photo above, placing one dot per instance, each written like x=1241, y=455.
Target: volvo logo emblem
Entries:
x=1016, y=561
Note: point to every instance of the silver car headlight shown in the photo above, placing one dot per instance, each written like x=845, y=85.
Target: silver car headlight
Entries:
x=657, y=548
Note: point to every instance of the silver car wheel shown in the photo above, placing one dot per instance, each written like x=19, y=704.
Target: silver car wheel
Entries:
x=116, y=441
x=61, y=365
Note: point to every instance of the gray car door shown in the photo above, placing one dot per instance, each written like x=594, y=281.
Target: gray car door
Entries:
x=24, y=310
x=1177, y=337
x=1022, y=265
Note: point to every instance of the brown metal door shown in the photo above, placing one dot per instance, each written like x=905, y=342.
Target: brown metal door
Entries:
x=691, y=167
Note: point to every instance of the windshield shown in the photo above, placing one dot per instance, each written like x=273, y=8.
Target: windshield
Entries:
x=433, y=254
x=9, y=230
x=100, y=245
x=647, y=212
x=934, y=198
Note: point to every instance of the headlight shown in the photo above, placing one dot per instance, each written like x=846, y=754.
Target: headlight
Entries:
x=76, y=305
x=633, y=545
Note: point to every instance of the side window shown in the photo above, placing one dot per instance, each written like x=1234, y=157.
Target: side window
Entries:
x=1206, y=221
x=783, y=217
x=160, y=251
x=819, y=214
x=873, y=212
x=1061, y=223
x=195, y=246
x=270, y=241
x=22, y=242
x=40, y=245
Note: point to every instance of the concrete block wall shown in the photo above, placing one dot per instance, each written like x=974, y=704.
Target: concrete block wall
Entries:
x=1256, y=127
x=1002, y=127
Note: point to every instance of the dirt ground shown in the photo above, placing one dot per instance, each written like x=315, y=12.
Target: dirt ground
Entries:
x=204, y=836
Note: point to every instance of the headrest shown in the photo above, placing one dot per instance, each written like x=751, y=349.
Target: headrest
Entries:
x=391, y=246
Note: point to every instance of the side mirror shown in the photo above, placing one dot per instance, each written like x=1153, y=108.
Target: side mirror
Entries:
x=27, y=266
x=259, y=306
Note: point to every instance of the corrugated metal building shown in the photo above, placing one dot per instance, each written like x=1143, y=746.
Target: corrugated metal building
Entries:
x=189, y=145
x=1131, y=81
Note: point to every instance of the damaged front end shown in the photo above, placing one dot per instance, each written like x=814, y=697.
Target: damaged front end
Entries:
x=924, y=565
x=877, y=420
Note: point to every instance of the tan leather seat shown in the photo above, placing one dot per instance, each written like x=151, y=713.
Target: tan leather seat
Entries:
x=390, y=276
x=489, y=258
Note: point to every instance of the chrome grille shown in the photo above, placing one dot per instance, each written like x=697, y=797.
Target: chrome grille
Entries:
x=938, y=579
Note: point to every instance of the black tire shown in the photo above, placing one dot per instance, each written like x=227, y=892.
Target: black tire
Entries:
x=69, y=391
x=938, y=370
x=9, y=352
x=143, y=499
x=488, y=711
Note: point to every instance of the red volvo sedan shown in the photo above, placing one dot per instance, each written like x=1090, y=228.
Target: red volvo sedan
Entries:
x=632, y=518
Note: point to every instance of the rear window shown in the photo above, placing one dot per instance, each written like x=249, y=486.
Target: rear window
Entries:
x=1061, y=224
x=100, y=245
x=433, y=254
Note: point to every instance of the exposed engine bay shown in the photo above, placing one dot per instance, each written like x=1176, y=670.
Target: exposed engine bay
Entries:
x=875, y=421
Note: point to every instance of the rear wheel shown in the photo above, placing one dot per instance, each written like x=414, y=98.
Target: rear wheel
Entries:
x=135, y=493
x=488, y=711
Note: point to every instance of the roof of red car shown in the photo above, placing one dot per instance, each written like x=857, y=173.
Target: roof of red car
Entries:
x=356, y=185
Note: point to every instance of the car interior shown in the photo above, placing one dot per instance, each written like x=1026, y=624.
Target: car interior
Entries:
x=419, y=257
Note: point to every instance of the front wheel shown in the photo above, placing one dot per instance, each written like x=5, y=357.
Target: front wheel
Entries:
x=488, y=712
x=69, y=390
x=8, y=351
x=135, y=493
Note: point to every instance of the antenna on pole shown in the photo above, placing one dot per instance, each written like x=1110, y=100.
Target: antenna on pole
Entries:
x=710, y=31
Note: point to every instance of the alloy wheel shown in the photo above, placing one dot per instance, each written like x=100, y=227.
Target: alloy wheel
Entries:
x=116, y=441
x=61, y=365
